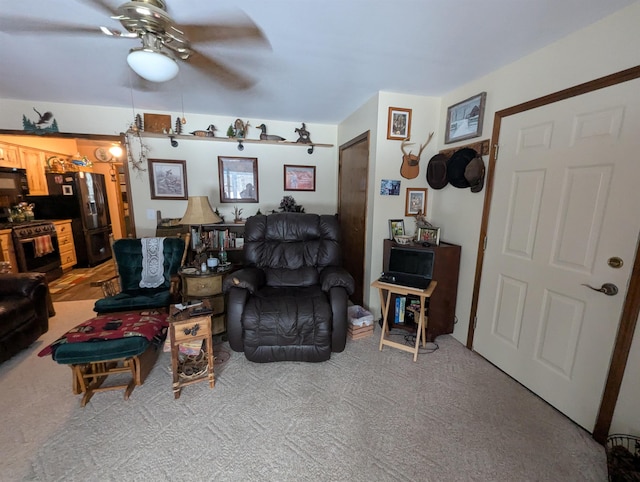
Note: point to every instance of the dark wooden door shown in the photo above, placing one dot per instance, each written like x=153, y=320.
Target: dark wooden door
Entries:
x=352, y=208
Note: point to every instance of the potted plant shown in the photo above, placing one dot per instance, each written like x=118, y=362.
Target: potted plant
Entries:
x=237, y=215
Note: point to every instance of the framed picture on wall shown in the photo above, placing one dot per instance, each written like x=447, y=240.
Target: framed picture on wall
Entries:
x=238, y=179
x=399, y=123
x=416, y=201
x=464, y=119
x=299, y=178
x=168, y=179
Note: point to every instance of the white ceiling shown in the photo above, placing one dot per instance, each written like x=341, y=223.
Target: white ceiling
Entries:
x=326, y=59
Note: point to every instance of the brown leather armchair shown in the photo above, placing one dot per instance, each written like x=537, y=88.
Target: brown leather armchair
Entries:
x=24, y=311
x=289, y=302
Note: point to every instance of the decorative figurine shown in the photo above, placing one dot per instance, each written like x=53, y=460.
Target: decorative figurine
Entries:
x=268, y=137
x=45, y=123
x=240, y=129
x=304, y=136
x=209, y=132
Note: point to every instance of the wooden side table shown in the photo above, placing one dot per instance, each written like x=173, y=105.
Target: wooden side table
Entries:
x=183, y=327
x=386, y=289
x=207, y=285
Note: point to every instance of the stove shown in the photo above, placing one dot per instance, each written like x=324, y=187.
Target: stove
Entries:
x=36, y=246
x=32, y=229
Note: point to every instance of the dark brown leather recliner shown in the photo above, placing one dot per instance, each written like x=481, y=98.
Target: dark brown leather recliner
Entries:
x=289, y=302
x=25, y=306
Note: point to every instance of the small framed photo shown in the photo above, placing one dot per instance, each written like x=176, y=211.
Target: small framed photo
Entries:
x=464, y=119
x=299, y=178
x=168, y=179
x=399, y=123
x=67, y=190
x=416, y=202
x=429, y=235
x=396, y=228
x=390, y=187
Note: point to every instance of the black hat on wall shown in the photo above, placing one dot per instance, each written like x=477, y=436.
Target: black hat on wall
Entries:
x=457, y=165
x=437, y=171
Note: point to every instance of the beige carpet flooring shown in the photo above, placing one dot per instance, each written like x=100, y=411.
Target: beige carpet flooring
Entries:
x=365, y=415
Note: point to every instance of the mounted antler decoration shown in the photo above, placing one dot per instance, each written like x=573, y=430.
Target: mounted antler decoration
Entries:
x=411, y=162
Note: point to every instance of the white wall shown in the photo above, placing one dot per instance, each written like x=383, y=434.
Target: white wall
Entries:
x=201, y=158
x=384, y=163
x=603, y=48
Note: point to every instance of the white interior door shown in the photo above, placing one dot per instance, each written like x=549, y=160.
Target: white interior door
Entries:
x=565, y=200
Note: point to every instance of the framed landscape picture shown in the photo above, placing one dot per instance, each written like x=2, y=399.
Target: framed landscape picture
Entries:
x=464, y=119
x=168, y=179
x=399, y=123
x=299, y=178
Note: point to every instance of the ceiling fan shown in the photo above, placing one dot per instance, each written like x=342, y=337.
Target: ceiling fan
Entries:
x=164, y=42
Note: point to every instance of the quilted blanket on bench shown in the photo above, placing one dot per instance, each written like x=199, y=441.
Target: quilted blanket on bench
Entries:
x=150, y=324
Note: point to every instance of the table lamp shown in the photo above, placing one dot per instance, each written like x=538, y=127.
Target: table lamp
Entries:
x=199, y=212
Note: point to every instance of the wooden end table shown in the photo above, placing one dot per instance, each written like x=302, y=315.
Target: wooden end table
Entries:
x=386, y=289
x=184, y=327
x=207, y=285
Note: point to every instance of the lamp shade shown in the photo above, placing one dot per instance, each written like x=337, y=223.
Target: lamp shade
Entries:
x=199, y=212
x=152, y=64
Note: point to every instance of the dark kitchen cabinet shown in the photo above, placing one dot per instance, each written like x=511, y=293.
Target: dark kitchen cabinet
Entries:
x=442, y=305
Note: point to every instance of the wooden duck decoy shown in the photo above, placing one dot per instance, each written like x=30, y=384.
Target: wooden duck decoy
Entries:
x=268, y=137
x=209, y=132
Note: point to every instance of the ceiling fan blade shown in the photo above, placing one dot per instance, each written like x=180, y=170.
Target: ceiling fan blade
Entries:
x=102, y=6
x=222, y=73
x=27, y=26
x=239, y=32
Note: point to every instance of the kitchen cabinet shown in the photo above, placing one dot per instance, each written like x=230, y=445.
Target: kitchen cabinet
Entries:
x=8, y=252
x=65, y=243
x=34, y=162
x=9, y=156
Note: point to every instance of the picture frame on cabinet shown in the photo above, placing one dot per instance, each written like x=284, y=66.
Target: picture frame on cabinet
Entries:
x=464, y=119
x=168, y=179
x=238, y=178
x=416, y=201
x=429, y=235
x=299, y=178
x=396, y=228
x=399, y=123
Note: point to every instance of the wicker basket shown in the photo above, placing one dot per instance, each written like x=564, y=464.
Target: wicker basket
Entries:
x=623, y=458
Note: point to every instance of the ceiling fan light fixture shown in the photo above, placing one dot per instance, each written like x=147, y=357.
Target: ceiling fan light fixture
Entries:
x=152, y=64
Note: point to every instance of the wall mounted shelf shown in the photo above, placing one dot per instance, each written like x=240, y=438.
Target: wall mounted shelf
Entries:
x=174, y=138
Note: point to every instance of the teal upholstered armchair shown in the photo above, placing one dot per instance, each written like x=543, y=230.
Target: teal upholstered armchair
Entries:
x=127, y=291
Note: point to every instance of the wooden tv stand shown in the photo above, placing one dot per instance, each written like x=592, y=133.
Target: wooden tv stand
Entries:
x=442, y=304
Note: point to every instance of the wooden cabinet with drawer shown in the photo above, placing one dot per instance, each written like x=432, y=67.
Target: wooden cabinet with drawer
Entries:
x=65, y=243
x=8, y=252
x=207, y=285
